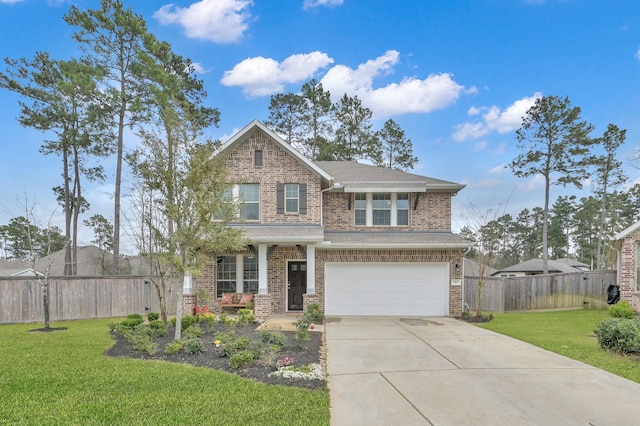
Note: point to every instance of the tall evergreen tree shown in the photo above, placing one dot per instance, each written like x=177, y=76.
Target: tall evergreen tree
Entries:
x=554, y=142
x=355, y=139
x=608, y=176
x=59, y=98
x=112, y=38
x=396, y=152
x=316, y=119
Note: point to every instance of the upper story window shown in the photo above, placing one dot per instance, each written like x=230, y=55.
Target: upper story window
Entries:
x=249, y=197
x=381, y=209
x=291, y=198
x=402, y=209
x=257, y=158
x=361, y=209
x=246, y=197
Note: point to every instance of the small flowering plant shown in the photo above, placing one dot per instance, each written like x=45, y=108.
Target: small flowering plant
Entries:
x=285, y=362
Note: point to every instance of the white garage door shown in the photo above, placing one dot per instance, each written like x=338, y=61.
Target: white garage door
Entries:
x=387, y=289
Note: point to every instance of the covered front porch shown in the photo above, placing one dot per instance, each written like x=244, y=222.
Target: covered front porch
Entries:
x=278, y=266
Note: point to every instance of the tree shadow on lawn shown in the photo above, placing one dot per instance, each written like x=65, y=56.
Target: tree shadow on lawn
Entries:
x=257, y=370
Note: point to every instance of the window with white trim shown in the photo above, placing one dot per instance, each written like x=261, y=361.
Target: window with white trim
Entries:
x=291, y=198
x=381, y=209
x=237, y=273
x=360, y=206
x=246, y=200
x=226, y=277
x=250, y=274
x=402, y=209
x=249, y=197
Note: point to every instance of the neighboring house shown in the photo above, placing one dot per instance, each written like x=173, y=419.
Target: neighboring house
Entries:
x=576, y=264
x=627, y=250
x=90, y=263
x=472, y=268
x=354, y=238
x=535, y=267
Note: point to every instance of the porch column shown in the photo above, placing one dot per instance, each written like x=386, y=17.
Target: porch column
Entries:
x=311, y=269
x=262, y=269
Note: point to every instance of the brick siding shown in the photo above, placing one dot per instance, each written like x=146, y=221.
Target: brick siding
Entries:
x=432, y=213
x=278, y=166
x=628, y=268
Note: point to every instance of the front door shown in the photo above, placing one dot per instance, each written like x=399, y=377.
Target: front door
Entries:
x=296, y=285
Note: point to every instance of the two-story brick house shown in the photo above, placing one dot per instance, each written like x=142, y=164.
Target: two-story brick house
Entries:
x=355, y=238
x=627, y=253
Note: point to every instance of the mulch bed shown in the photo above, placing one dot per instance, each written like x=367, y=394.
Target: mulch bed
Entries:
x=312, y=353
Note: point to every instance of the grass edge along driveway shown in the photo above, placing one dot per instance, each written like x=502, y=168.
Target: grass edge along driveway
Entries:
x=63, y=377
x=569, y=333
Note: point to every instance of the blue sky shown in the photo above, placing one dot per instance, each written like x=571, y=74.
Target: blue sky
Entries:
x=456, y=75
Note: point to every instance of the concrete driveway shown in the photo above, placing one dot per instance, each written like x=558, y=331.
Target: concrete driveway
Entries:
x=441, y=371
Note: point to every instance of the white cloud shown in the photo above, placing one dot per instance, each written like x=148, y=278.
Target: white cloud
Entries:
x=637, y=55
x=220, y=21
x=198, y=68
x=308, y=4
x=260, y=76
x=495, y=120
x=501, y=148
x=410, y=95
x=497, y=170
x=480, y=146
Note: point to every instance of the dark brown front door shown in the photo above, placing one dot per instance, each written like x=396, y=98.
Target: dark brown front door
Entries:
x=296, y=285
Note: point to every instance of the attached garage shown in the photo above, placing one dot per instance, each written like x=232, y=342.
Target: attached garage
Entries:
x=386, y=289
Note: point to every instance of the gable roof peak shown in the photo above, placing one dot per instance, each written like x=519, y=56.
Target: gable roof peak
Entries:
x=247, y=130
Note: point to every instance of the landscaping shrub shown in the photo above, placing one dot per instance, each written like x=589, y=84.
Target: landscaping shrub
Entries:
x=140, y=338
x=302, y=332
x=193, y=331
x=153, y=316
x=186, y=322
x=174, y=347
x=622, y=310
x=193, y=345
x=314, y=314
x=274, y=338
x=132, y=320
x=620, y=335
x=157, y=328
x=245, y=316
x=241, y=359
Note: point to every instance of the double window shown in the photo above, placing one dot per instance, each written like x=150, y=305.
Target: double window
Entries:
x=381, y=209
x=234, y=270
x=247, y=197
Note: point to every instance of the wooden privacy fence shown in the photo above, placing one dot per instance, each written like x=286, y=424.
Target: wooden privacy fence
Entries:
x=552, y=291
x=78, y=298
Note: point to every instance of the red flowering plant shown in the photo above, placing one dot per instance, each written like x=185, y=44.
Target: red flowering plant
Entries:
x=203, y=314
x=285, y=362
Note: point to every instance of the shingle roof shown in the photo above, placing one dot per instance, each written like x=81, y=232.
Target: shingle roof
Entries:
x=350, y=172
x=282, y=233
x=393, y=239
x=536, y=265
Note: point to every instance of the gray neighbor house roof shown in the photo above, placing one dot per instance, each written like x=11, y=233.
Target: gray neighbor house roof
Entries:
x=535, y=266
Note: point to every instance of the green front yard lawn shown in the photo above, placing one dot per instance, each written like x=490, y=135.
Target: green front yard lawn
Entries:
x=63, y=377
x=568, y=333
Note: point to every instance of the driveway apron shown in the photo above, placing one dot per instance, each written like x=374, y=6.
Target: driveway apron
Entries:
x=442, y=371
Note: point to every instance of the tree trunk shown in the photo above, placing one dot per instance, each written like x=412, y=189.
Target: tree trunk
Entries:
x=179, y=315
x=45, y=301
